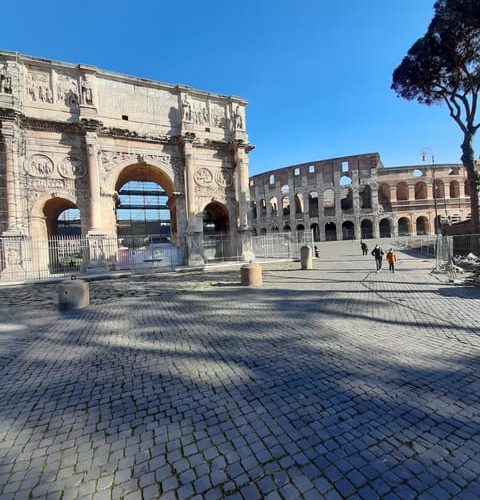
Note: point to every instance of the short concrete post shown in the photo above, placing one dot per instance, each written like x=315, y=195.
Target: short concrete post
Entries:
x=73, y=294
x=251, y=275
x=306, y=257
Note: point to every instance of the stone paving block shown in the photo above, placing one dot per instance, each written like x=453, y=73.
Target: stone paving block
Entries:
x=367, y=388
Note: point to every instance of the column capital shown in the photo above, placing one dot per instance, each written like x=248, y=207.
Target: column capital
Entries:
x=90, y=125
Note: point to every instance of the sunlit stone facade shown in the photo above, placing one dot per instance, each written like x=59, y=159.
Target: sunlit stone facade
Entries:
x=355, y=197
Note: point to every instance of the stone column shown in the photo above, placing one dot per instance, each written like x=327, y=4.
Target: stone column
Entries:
x=411, y=191
x=339, y=230
x=375, y=209
x=320, y=211
x=393, y=194
x=190, y=186
x=13, y=242
x=241, y=161
x=338, y=197
x=322, y=231
x=245, y=244
x=10, y=184
x=292, y=221
x=429, y=191
x=194, y=233
x=96, y=254
x=394, y=228
x=376, y=226
x=95, y=214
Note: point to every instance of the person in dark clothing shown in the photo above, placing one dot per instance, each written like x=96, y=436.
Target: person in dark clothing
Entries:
x=364, y=248
x=377, y=252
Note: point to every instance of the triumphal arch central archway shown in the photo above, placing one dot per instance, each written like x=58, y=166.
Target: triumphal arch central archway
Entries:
x=73, y=136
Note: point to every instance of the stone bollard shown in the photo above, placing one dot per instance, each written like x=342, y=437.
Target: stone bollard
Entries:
x=306, y=257
x=251, y=275
x=73, y=294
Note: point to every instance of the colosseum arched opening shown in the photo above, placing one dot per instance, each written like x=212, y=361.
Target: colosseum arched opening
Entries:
x=330, y=231
x=366, y=228
x=385, y=228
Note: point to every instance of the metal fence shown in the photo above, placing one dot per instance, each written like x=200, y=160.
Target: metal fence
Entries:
x=27, y=259
x=151, y=252
x=425, y=244
x=281, y=245
x=458, y=252
x=220, y=248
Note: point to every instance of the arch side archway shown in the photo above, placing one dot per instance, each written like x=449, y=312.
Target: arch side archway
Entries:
x=45, y=212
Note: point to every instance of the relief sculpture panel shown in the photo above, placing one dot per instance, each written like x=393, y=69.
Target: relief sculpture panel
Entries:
x=5, y=78
x=203, y=177
x=205, y=113
x=71, y=168
x=40, y=166
x=217, y=182
x=67, y=91
x=218, y=116
x=39, y=88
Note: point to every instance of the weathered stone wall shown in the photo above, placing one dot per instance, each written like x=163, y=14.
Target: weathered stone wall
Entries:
x=71, y=135
x=356, y=197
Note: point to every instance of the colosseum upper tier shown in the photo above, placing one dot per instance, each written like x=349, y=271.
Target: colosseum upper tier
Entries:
x=356, y=197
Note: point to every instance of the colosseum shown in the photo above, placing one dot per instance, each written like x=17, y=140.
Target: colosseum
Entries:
x=355, y=197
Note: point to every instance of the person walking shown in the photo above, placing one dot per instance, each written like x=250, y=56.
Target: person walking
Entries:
x=377, y=252
x=392, y=259
x=364, y=248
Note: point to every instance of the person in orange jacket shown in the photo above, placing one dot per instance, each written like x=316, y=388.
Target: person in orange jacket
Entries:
x=392, y=259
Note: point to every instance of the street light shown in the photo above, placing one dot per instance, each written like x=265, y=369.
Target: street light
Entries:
x=428, y=152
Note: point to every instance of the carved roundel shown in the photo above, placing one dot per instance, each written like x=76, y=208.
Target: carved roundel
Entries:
x=223, y=178
x=40, y=166
x=203, y=177
x=71, y=168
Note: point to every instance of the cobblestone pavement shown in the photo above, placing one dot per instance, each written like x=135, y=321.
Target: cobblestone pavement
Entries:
x=332, y=383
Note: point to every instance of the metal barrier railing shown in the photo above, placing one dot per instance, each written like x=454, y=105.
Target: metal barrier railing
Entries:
x=281, y=245
x=27, y=259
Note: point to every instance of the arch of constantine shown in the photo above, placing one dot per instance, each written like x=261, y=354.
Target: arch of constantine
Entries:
x=72, y=135
x=356, y=197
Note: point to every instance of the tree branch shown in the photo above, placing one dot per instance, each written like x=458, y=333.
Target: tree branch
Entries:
x=455, y=113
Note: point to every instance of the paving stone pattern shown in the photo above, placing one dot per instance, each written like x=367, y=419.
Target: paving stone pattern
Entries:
x=332, y=383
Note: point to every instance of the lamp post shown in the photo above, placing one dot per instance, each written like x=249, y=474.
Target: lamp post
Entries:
x=425, y=153
x=438, y=239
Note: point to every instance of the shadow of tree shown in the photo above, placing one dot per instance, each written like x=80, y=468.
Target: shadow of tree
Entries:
x=235, y=386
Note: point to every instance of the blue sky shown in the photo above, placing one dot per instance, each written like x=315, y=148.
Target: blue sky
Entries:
x=316, y=73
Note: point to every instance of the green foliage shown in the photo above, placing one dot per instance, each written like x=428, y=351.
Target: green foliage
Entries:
x=444, y=64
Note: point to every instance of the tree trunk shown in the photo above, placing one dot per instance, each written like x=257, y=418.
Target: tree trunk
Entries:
x=473, y=177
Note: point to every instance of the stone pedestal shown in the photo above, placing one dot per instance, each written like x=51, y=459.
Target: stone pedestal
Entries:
x=13, y=250
x=306, y=259
x=195, y=249
x=73, y=294
x=251, y=275
x=246, y=245
x=95, y=254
